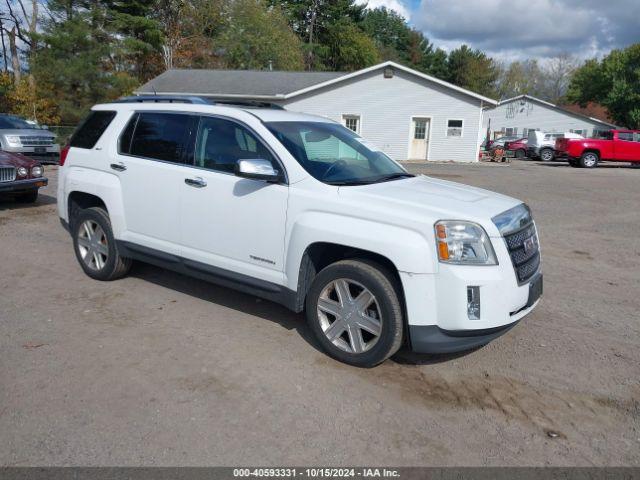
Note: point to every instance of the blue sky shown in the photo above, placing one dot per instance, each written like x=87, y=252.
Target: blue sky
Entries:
x=518, y=29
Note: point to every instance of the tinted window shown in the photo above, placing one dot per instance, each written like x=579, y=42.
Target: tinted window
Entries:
x=162, y=136
x=221, y=143
x=90, y=131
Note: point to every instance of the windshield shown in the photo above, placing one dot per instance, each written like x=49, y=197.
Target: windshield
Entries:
x=334, y=154
x=7, y=122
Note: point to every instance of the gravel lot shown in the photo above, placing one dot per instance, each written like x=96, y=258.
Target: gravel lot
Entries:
x=160, y=369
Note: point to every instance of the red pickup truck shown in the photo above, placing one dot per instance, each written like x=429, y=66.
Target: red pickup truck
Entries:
x=613, y=146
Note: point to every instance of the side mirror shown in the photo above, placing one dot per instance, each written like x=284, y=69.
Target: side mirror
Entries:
x=257, y=169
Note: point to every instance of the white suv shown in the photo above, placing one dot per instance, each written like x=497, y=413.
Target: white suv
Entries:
x=299, y=210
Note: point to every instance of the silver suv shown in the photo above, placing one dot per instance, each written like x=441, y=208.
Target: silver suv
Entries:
x=20, y=136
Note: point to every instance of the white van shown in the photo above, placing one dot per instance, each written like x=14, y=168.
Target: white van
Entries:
x=542, y=144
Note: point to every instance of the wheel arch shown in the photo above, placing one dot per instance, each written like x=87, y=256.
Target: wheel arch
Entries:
x=319, y=255
x=91, y=188
x=78, y=200
x=591, y=150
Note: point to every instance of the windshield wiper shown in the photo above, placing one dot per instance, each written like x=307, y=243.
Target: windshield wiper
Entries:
x=393, y=176
x=343, y=183
x=369, y=181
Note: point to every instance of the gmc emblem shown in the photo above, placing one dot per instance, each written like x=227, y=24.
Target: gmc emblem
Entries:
x=530, y=244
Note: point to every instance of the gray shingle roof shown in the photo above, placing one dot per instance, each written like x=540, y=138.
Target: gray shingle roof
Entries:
x=235, y=82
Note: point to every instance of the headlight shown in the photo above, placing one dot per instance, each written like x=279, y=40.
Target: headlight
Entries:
x=13, y=140
x=37, y=171
x=464, y=243
x=22, y=172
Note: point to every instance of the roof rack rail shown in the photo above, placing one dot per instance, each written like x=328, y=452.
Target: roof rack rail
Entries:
x=162, y=99
x=247, y=103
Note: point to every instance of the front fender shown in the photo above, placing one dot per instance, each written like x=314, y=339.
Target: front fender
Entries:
x=408, y=249
x=103, y=185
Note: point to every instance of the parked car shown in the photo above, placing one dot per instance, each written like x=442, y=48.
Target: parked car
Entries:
x=517, y=148
x=20, y=177
x=542, y=145
x=615, y=146
x=501, y=141
x=302, y=211
x=21, y=136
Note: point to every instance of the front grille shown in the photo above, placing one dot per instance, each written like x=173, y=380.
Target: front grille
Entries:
x=525, y=263
x=35, y=141
x=7, y=174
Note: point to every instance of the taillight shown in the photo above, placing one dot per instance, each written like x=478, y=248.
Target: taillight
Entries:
x=63, y=154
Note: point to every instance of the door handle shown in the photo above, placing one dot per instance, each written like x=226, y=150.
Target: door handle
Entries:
x=119, y=167
x=197, y=182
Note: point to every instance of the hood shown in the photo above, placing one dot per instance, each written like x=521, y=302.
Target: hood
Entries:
x=15, y=160
x=31, y=132
x=431, y=199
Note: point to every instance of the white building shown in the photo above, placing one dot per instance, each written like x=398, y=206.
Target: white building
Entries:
x=518, y=115
x=407, y=114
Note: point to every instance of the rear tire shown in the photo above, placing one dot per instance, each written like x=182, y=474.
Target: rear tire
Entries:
x=589, y=160
x=354, y=310
x=29, y=197
x=547, y=155
x=95, y=246
x=520, y=153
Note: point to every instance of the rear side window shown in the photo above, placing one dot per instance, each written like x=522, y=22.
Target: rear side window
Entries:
x=90, y=131
x=160, y=136
x=626, y=136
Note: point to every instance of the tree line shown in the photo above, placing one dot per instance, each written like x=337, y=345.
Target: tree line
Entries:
x=62, y=56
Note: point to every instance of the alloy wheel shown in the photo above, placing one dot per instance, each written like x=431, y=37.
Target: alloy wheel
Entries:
x=590, y=160
x=93, y=245
x=349, y=316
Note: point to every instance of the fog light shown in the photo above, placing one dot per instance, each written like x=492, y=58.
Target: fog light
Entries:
x=473, y=303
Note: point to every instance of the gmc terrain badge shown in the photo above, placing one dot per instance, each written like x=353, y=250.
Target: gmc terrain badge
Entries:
x=253, y=257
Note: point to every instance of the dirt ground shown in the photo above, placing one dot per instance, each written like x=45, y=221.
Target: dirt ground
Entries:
x=161, y=369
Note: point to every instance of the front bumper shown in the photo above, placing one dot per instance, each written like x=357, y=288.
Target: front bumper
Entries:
x=44, y=154
x=433, y=339
x=24, y=185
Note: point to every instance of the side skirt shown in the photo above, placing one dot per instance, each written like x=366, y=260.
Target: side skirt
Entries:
x=209, y=273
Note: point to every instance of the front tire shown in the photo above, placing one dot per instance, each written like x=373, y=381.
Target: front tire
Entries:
x=95, y=246
x=589, y=160
x=546, y=155
x=354, y=310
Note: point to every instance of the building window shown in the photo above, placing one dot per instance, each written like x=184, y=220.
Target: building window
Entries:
x=420, y=129
x=352, y=122
x=454, y=128
x=511, y=131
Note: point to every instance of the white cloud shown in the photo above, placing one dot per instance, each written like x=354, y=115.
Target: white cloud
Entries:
x=396, y=5
x=511, y=29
